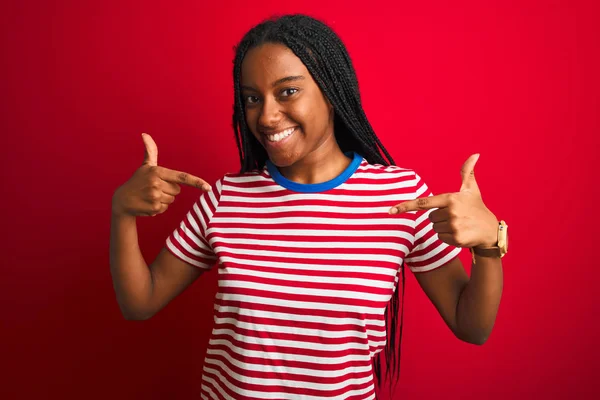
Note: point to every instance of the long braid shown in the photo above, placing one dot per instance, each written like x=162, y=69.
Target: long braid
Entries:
x=339, y=65
x=327, y=59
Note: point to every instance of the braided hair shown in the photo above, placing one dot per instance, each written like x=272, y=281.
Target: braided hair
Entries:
x=326, y=58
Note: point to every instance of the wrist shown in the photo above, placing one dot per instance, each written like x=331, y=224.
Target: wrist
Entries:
x=495, y=250
x=123, y=221
x=121, y=214
x=118, y=212
x=486, y=245
x=117, y=209
x=491, y=237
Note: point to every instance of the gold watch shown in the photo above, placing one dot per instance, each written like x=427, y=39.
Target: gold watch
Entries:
x=497, y=251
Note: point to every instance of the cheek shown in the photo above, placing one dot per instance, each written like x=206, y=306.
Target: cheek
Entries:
x=251, y=115
x=312, y=112
x=321, y=112
x=301, y=113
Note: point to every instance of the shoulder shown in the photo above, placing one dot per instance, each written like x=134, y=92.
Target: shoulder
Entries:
x=229, y=176
x=393, y=177
x=244, y=179
x=386, y=171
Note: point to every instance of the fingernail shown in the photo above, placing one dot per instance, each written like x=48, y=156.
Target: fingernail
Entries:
x=206, y=187
x=394, y=210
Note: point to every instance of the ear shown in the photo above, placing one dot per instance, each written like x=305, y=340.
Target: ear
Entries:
x=329, y=107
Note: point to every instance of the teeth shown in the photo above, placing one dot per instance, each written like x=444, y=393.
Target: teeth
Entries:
x=281, y=135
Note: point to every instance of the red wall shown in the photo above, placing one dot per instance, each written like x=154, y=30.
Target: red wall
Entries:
x=81, y=80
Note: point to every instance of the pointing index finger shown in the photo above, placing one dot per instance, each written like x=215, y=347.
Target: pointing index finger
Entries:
x=183, y=178
x=422, y=203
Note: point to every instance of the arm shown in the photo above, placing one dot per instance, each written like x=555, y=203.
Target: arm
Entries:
x=143, y=290
x=468, y=306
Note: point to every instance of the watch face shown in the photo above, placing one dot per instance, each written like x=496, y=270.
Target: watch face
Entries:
x=503, y=238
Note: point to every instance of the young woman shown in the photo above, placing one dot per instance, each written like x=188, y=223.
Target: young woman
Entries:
x=311, y=237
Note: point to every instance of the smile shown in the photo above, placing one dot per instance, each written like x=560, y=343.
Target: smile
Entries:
x=276, y=137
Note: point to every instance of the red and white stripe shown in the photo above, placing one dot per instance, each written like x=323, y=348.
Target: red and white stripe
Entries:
x=304, y=279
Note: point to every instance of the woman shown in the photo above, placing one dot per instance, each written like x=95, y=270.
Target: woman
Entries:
x=311, y=237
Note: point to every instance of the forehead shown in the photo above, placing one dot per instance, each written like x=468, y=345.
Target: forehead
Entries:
x=268, y=62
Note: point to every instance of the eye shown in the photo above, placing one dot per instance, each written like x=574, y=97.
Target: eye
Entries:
x=251, y=99
x=289, y=92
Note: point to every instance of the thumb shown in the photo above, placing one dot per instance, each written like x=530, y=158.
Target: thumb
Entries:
x=151, y=156
x=468, y=173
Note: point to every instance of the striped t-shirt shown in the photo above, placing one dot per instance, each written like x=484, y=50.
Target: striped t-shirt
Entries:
x=305, y=272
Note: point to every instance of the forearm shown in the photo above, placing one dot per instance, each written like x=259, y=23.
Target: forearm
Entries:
x=132, y=279
x=479, y=301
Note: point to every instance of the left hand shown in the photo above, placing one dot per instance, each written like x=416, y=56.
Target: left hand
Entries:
x=461, y=218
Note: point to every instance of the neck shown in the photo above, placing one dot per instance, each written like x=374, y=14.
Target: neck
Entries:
x=321, y=165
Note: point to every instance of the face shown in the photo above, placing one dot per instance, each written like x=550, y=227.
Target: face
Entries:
x=285, y=109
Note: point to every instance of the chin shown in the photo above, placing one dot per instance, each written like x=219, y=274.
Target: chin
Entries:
x=283, y=160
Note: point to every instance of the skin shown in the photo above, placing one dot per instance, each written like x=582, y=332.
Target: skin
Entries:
x=468, y=305
x=142, y=290
x=279, y=93
x=311, y=154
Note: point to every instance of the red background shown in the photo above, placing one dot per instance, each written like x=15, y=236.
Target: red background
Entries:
x=81, y=80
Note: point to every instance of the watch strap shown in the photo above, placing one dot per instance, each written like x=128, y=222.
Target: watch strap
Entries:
x=493, y=252
x=497, y=251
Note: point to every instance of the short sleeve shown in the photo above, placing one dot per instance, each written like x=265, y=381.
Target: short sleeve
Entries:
x=190, y=241
x=428, y=251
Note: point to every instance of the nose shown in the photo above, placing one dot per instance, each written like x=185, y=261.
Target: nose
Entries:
x=270, y=113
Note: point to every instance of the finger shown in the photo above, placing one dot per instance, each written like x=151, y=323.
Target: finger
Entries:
x=170, y=188
x=151, y=156
x=442, y=227
x=448, y=238
x=468, y=173
x=167, y=199
x=159, y=210
x=439, y=215
x=183, y=178
x=423, y=203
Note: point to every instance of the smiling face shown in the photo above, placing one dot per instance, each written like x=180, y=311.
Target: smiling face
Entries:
x=285, y=108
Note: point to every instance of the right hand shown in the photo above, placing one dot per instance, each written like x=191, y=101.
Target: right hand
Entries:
x=152, y=188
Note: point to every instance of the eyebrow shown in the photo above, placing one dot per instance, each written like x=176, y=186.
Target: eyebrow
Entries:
x=278, y=81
